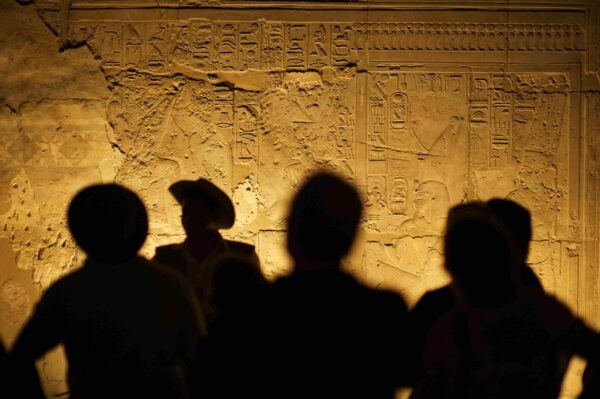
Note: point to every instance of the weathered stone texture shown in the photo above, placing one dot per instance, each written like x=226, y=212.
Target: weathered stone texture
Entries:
x=422, y=105
x=53, y=136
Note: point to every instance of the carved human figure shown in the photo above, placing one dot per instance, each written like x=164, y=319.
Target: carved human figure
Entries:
x=418, y=248
x=431, y=202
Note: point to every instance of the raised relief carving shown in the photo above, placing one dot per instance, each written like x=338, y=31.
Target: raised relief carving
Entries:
x=319, y=46
x=527, y=128
x=234, y=45
x=398, y=110
x=398, y=195
x=414, y=257
x=226, y=47
x=249, y=47
x=172, y=104
x=199, y=46
x=467, y=37
x=415, y=112
x=246, y=140
x=272, y=45
x=296, y=38
x=376, y=194
x=342, y=48
x=308, y=123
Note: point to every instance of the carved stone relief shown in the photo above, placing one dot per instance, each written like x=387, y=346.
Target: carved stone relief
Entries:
x=421, y=114
x=260, y=103
x=176, y=106
x=507, y=125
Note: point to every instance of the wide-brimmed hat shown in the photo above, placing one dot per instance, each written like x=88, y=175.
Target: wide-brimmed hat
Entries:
x=223, y=211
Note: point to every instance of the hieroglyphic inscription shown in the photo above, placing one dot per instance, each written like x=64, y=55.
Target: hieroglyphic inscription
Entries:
x=296, y=48
x=419, y=123
x=487, y=125
x=518, y=128
x=247, y=109
x=206, y=45
x=414, y=113
x=526, y=121
x=211, y=45
x=308, y=122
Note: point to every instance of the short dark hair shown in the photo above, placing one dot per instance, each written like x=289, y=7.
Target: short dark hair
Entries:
x=324, y=218
x=517, y=220
x=480, y=254
x=109, y=222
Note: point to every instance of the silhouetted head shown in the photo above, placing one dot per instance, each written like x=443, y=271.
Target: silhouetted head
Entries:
x=480, y=255
x=204, y=206
x=323, y=219
x=109, y=222
x=517, y=219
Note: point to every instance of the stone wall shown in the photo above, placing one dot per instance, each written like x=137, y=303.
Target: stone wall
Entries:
x=422, y=104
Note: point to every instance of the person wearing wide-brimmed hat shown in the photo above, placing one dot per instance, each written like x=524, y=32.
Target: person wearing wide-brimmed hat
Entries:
x=206, y=209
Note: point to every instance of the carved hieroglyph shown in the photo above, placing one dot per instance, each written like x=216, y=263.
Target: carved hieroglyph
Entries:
x=421, y=108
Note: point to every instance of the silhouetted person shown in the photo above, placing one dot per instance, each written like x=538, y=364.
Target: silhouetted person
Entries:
x=129, y=327
x=227, y=364
x=502, y=339
x=591, y=381
x=205, y=210
x=433, y=304
x=18, y=379
x=238, y=284
x=327, y=335
x=517, y=219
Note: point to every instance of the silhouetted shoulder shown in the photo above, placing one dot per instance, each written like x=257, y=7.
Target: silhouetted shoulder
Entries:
x=422, y=317
x=433, y=303
x=139, y=268
x=391, y=301
x=239, y=246
x=164, y=273
x=530, y=279
x=555, y=315
x=171, y=256
x=591, y=382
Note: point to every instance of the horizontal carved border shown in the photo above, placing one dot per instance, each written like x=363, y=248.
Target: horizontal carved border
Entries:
x=232, y=45
x=469, y=37
x=422, y=5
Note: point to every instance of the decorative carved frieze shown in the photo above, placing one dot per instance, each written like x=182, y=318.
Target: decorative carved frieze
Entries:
x=161, y=46
x=468, y=37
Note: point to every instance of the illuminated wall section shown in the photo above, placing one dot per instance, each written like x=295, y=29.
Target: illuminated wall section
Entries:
x=422, y=104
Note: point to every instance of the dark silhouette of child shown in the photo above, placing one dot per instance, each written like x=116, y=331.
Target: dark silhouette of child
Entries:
x=325, y=335
x=501, y=339
x=205, y=210
x=129, y=327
